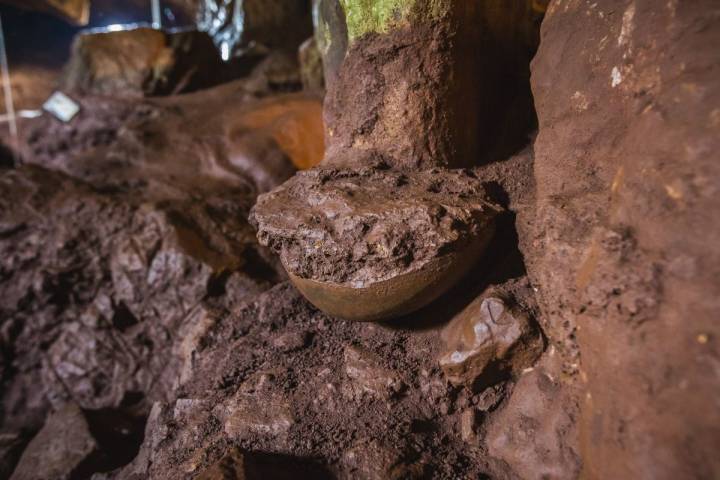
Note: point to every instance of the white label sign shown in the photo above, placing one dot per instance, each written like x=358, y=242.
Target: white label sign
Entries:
x=61, y=106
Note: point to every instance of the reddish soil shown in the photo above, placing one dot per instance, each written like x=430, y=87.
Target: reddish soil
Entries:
x=141, y=319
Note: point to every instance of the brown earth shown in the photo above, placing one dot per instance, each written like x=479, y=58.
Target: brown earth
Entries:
x=138, y=292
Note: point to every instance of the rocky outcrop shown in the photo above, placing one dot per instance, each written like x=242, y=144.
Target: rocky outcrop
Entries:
x=622, y=241
x=389, y=92
x=359, y=400
x=107, y=269
x=251, y=142
x=535, y=432
x=427, y=83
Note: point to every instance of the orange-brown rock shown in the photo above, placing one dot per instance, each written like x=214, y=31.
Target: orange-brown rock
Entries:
x=142, y=62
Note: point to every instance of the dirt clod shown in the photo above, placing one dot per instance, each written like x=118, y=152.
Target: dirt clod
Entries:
x=361, y=226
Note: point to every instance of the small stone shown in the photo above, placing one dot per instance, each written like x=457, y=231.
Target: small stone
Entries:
x=468, y=423
x=265, y=416
x=371, y=460
x=488, y=334
x=462, y=400
x=291, y=341
x=535, y=431
x=364, y=369
x=491, y=397
x=59, y=448
x=327, y=398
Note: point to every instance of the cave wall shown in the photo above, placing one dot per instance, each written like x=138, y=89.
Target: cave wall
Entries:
x=622, y=242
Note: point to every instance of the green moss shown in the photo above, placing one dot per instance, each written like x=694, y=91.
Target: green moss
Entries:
x=364, y=16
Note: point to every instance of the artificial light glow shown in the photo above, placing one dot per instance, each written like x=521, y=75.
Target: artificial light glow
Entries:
x=115, y=27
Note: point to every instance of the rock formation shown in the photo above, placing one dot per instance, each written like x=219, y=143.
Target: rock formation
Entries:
x=142, y=61
x=621, y=242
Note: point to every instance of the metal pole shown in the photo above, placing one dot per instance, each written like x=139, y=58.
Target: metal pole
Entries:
x=7, y=88
x=156, y=17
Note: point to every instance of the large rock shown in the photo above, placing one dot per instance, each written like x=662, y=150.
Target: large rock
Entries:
x=58, y=451
x=368, y=225
x=142, y=62
x=94, y=283
x=622, y=247
x=372, y=243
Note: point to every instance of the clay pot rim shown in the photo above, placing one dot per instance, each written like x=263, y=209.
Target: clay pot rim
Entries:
x=414, y=289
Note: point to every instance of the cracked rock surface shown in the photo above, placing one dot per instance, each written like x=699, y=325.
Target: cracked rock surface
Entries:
x=362, y=225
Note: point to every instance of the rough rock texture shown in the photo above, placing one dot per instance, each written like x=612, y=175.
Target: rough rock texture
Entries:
x=256, y=369
x=377, y=104
x=141, y=62
x=58, y=451
x=535, y=431
x=486, y=341
x=360, y=226
x=623, y=244
x=109, y=269
x=359, y=400
x=388, y=67
x=367, y=375
x=89, y=307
